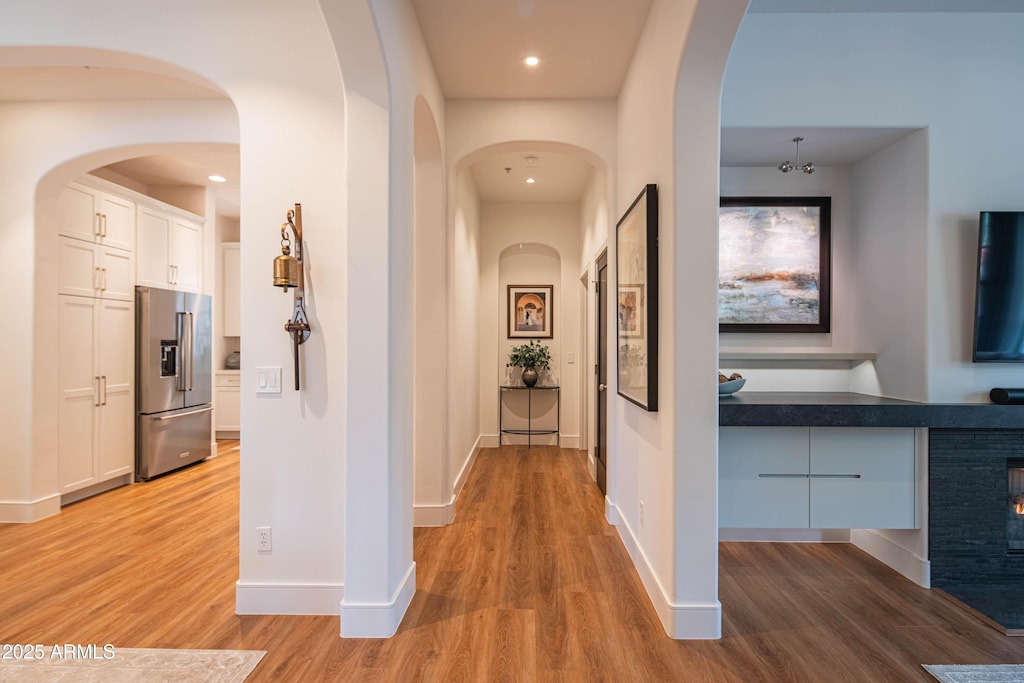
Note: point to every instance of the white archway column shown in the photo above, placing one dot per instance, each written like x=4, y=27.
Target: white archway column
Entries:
x=695, y=314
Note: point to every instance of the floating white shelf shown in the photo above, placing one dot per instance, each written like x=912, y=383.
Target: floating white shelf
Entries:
x=805, y=355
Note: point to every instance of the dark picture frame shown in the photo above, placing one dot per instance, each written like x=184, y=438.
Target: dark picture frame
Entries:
x=775, y=264
x=531, y=311
x=636, y=300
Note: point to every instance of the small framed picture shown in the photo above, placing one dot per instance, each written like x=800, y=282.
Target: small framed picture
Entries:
x=530, y=311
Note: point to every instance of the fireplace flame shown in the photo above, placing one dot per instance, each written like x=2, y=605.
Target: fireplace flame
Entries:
x=1018, y=506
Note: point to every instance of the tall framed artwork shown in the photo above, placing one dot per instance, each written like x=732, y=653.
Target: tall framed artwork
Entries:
x=636, y=272
x=531, y=311
x=774, y=264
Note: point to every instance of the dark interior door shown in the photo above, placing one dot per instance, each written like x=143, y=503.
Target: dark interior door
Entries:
x=601, y=448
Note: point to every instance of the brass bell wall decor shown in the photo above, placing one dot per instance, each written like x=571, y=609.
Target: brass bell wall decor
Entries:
x=288, y=273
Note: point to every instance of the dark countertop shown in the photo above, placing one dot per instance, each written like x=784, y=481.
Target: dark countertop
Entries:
x=820, y=409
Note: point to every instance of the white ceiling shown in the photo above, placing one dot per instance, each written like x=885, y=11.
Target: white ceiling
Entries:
x=823, y=146
x=189, y=166
x=559, y=177
x=477, y=46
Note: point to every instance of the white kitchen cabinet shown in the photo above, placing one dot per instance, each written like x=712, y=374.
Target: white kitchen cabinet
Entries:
x=170, y=248
x=96, y=371
x=227, y=399
x=94, y=215
x=95, y=270
x=231, y=290
x=817, y=478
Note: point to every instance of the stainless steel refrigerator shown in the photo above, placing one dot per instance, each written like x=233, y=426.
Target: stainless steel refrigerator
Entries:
x=174, y=368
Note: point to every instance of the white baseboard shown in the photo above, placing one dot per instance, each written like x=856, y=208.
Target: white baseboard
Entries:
x=443, y=515
x=611, y=513
x=690, y=620
x=887, y=551
x=362, y=620
x=271, y=598
x=592, y=464
x=433, y=515
x=785, y=535
x=29, y=511
x=467, y=466
x=489, y=441
x=96, y=489
x=570, y=441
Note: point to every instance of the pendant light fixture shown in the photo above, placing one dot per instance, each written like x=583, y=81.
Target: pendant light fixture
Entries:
x=787, y=166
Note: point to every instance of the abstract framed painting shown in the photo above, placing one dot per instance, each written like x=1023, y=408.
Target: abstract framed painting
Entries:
x=636, y=301
x=530, y=311
x=774, y=264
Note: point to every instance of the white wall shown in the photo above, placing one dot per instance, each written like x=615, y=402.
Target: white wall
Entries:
x=464, y=356
x=890, y=225
x=899, y=70
x=550, y=235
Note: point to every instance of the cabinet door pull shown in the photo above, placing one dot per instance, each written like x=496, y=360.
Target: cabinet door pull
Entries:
x=104, y=287
x=97, y=282
x=97, y=226
x=97, y=404
x=834, y=476
x=104, y=390
x=104, y=233
x=170, y=275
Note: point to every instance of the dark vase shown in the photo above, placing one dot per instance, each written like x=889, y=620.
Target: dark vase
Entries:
x=530, y=376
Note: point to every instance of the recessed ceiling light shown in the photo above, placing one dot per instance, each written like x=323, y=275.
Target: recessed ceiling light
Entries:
x=218, y=179
x=530, y=181
x=531, y=60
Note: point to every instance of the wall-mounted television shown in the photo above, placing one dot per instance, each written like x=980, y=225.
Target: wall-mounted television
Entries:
x=999, y=297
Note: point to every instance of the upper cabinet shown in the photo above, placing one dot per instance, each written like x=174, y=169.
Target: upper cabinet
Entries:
x=170, y=248
x=93, y=215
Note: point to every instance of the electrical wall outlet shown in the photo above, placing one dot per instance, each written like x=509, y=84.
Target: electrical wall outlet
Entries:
x=641, y=513
x=263, y=539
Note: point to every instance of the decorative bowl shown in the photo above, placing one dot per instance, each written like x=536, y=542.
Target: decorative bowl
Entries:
x=730, y=387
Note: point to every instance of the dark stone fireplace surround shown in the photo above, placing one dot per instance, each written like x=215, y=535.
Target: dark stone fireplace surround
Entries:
x=967, y=538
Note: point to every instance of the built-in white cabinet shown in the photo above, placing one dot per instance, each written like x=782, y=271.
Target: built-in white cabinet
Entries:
x=95, y=215
x=227, y=398
x=95, y=270
x=231, y=289
x=96, y=370
x=169, y=251
x=817, y=478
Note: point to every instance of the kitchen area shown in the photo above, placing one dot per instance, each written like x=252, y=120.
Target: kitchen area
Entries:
x=148, y=319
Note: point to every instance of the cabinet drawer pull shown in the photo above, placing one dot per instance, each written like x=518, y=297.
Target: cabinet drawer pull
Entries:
x=809, y=476
x=834, y=476
x=783, y=476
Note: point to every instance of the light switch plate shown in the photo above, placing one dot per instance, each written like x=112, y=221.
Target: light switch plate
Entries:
x=570, y=357
x=268, y=380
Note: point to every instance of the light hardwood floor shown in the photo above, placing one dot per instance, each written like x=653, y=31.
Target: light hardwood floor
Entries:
x=529, y=584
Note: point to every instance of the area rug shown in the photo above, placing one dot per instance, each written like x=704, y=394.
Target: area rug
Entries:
x=124, y=665
x=969, y=673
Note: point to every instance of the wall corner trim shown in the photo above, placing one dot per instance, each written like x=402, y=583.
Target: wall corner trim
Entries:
x=24, y=512
x=685, y=620
x=290, y=598
x=378, y=620
x=887, y=551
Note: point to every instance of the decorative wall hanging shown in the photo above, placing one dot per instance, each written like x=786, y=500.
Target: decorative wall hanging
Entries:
x=636, y=271
x=289, y=272
x=774, y=264
x=530, y=311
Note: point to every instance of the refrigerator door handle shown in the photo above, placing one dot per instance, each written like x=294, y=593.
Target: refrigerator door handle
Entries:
x=179, y=369
x=191, y=412
x=191, y=353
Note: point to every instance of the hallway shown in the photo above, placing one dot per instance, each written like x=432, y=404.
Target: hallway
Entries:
x=529, y=584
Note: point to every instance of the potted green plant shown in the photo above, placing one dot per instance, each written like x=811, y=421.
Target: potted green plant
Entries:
x=529, y=357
